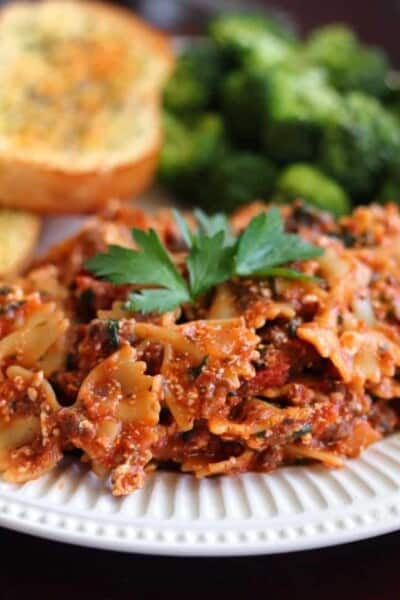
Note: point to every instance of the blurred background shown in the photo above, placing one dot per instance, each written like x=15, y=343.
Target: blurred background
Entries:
x=376, y=21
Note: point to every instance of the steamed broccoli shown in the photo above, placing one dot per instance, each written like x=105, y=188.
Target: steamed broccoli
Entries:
x=360, y=144
x=299, y=106
x=284, y=101
x=393, y=87
x=395, y=110
x=390, y=190
x=269, y=52
x=350, y=65
x=392, y=98
x=304, y=181
x=240, y=35
x=197, y=166
x=194, y=82
x=243, y=101
x=235, y=29
x=236, y=178
x=189, y=148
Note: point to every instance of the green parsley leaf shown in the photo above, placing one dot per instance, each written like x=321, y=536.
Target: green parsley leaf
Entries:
x=184, y=227
x=151, y=265
x=214, y=256
x=286, y=273
x=208, y=224
x=209, y=262
x=264, y=244
x=114, y=265
x=161, y=300
x=212, y=224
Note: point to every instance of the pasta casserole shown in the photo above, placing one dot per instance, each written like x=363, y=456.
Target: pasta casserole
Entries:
x=294, y=364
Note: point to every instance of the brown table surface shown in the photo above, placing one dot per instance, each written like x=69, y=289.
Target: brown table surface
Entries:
x=32, y=568
x=369, y=570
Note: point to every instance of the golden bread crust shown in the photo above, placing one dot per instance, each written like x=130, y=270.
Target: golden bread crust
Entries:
x=19, y=232
x=36, y=174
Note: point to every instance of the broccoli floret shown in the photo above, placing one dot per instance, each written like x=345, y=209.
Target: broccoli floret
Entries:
x=392, y=98
x=236, y=28
x=237, y=178
x=358, y=146
x=189, y=148
x=240, y=35
x=395, y=110
x=261, y=60
x=244, y=96
x=304, y=181
x=197, y=166
x=350, y=65
x=269, y=52
x=390, y=190
x=299, y=106
x=194, y=83
x=393, y=87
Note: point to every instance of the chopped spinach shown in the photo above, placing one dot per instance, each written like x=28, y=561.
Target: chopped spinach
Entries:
x=195, y=372
x=307, y=428
x=113, y=333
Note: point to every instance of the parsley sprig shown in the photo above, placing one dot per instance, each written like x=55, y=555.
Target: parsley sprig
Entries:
x=214, y=255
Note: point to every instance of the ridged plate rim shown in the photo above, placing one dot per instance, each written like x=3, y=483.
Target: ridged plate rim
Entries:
x=291, y=509
x=304, y=529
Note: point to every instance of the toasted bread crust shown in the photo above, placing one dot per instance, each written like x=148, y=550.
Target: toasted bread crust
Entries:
x=43, y=186
x=154, y=38
x=19, y=233
x=45, y=190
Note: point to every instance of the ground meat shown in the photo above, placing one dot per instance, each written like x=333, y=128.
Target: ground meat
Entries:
x=88, y=346
x=91, y=295
x=384, y=416
x=282, y=358
x=102, y=338
x=274, y=373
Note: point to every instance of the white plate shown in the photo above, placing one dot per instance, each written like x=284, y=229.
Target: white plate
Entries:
x=294, y=508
